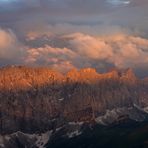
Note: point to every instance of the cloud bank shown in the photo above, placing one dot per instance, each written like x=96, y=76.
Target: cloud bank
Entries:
x=11, y=50
x=83, y=50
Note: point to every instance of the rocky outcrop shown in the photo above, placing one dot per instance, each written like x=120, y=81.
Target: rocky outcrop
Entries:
x=40, y=99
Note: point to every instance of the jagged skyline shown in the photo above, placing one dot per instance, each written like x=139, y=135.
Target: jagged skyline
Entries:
x=36, y=96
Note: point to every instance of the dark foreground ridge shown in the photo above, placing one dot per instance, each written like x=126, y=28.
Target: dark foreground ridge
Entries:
x=37, y=100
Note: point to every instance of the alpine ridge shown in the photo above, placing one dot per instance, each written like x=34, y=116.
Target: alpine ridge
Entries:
x=41, y=99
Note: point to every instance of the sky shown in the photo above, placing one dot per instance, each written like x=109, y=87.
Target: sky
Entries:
x=66, y=34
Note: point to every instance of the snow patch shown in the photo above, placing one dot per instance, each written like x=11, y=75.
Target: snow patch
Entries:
x=141, y=109
x=146, y=109
x=61, y=99
x=74, y=134
x=40, y=139
x=43, y=139
x=58, y=129
x=111, y=116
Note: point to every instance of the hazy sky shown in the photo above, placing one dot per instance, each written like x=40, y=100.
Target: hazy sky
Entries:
x=64, y=34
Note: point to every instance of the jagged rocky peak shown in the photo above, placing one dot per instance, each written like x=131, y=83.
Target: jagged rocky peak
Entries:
x=129, y=76
x=73, y=74
x=114, y=73
x=22, y=77
x=82, y=75
x=27, y=77
x=88, y=70
x=84, y=71
x=88, y=75
x=123, y=74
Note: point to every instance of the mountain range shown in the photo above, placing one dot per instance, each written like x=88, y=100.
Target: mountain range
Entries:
x=39, y=103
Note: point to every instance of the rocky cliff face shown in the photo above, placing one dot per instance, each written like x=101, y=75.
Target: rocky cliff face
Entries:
x=40, y=99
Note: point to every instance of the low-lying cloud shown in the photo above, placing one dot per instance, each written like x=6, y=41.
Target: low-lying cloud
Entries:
x=11, y=50
x=83, y=50
x=121, y=50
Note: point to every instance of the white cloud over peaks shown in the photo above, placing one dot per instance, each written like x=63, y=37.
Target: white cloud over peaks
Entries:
x=121, y=50
x=7, y=38
x=90, y=47
x=83, y=50
x=57, y=58
x=10, y=48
